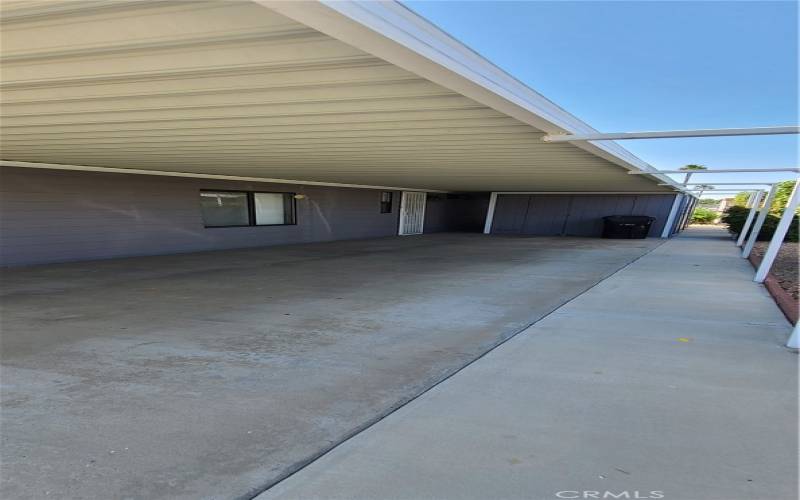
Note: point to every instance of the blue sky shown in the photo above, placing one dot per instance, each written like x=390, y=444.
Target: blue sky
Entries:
x=651, y=65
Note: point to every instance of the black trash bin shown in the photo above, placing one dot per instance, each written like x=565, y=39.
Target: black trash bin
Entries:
x=627, y=226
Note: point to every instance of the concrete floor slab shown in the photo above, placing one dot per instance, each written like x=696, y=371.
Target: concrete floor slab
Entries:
x=682, y=398
x=214, y=374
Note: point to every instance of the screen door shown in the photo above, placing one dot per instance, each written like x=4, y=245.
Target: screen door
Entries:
x=412, y=212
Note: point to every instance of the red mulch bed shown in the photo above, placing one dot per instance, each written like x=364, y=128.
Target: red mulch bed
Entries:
x=785, y=268
x=782, y=281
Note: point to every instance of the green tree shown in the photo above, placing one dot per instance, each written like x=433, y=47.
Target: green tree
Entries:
x=782, y=196
x=708, y=202
x=741, y=198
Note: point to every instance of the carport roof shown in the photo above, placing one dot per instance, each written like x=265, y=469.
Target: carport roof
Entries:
x=340, y=92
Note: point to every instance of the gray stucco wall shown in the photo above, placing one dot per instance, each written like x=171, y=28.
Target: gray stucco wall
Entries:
x=456, y=212
x=56, y=216
x=574, y=215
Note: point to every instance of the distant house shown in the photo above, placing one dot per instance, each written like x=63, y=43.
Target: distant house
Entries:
x=720, y=209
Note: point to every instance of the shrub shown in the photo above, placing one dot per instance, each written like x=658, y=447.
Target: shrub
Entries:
x=735, y=216
x=703, y=216
x=782, y=196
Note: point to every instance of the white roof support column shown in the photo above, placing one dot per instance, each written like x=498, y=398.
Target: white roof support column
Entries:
x=756, y=200
x=794, y=338
x=780, y=233
x=762, y=215
x=672, y=213
x=690, y=212
x=487, y=227
x=687, y=214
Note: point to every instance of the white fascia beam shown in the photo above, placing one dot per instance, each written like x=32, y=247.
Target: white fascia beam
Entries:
x=392, y=32
x=669, y=134
x=721, y=191
x=779, y=234
x=665, y=193
x=721, y=171
x=163, y=173
x=728, y=184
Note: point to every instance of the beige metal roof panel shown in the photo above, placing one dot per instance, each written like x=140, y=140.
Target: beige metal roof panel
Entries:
x=234, y=88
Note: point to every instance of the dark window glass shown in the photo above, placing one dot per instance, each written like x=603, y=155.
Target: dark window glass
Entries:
x=289, y=208
x=386, y=202
x=240, y=208
x=224, y=208
x=273, y=208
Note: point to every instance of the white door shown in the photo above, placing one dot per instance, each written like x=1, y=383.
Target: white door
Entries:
x=412, y=212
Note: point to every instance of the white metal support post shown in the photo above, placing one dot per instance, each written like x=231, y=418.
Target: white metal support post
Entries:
x=750, y=215
x=794, y=338
x=681, y=212
x=487, y=227
x=687, y=216
x=684, y=215
x=751, y=201
x=762, y=215
x=695, y=202
x=777, y=237
x=671, y=218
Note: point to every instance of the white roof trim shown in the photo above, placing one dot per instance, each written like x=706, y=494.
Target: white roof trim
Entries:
x=660, y=193
x=389, y=30
x=163, y=173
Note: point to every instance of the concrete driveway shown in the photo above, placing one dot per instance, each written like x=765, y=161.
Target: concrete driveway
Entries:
x=667, y=380
x=213, y=375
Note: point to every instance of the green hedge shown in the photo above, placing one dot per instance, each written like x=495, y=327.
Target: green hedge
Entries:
x=735, y=216
x=703, y=215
